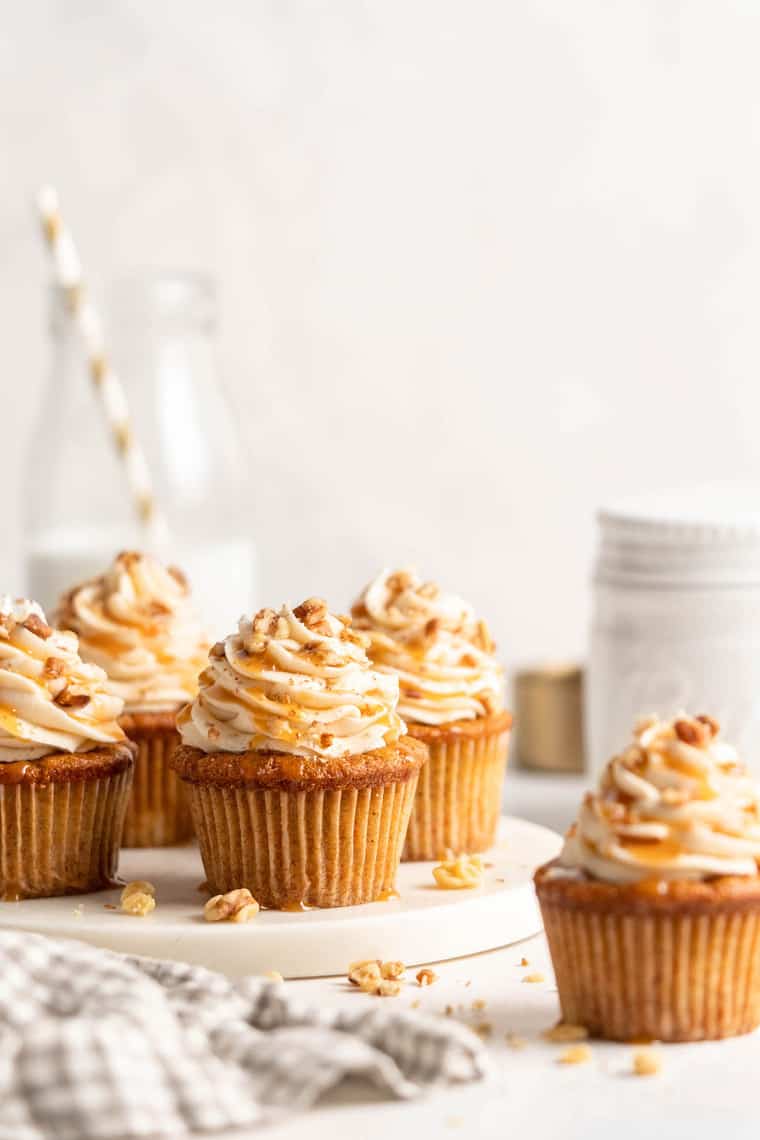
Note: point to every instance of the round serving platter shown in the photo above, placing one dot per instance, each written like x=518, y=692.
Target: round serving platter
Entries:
x=423, y=924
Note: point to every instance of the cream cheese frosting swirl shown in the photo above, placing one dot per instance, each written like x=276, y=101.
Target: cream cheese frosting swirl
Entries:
x=296, y=681
x=137, y=622
x=49, y=700
x=677, y=804
x=442, y=655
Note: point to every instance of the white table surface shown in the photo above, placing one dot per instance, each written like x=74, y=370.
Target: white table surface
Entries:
x=702, y=1091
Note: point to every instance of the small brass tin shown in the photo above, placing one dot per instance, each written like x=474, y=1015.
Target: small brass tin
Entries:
x=548, y=703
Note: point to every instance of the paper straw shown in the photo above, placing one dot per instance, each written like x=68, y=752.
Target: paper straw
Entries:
x=113, y=400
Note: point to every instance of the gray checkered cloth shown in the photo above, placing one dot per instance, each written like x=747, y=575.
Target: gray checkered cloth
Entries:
x=96, y=1045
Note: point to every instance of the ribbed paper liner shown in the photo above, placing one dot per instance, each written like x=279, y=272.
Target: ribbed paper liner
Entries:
x=321, y=847
x=679, y=977
x=61, y=838
x=158, y=814
x=458, y=799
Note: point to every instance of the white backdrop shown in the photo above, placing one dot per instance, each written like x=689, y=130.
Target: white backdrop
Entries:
x=482, y=264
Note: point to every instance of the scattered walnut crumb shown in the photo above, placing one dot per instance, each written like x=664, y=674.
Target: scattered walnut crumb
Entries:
x=462, y=872
x=564, y=1032
x=646, y=1062
x=483, y=1029
x=692, y=732
x=274, y=976
x=524, y=962
x=575, y=1055
x=138, y=898
x=234, y=906
x=426, y=977
x=534, y=978
x=68, y=700
x=479, y=1003
x=415, y=1004
x=53, y=668
x=515, y=1041
x=373, y=976
x=449, y=1010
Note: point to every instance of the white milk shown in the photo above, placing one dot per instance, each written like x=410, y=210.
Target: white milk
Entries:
x=222, y=572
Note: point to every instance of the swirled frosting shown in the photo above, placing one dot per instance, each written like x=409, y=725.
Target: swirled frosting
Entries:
x=443, y=656
x=49, y=700
x=137, y=622
x=677, y=804
x=296, y=681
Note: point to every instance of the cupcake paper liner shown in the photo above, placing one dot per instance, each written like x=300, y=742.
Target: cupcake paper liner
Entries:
x=458, y=800
x=322, y=847
x=62, y=837
x=158, y=814
x=684, y=976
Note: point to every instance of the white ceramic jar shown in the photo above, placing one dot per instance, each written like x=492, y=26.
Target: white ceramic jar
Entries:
x=676, y=618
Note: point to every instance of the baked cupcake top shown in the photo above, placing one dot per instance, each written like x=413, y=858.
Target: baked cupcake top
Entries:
x=137, y=622
x=297, y=681
x=677, y=804
x=441, y=653
x=50, y=701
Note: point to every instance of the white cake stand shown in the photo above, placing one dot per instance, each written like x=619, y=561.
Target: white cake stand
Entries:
x=424, y=924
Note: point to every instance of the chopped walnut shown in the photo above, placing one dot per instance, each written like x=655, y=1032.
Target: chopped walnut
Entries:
x=524, y=962
x=234, y=906
x=274, y=976
x=532, y=978
x=400, y=581
x=478, y=1004
x=38, y=627
x=269, y=623
x=710, y=723
x=426, y=977
x=462, y=872
x=138, y=898
x=373, y=976
x=692, y=732
x=515, y=1041
x=483, y=1029
x=646, y=1063
x=563, y=1032
x=68, y=700
x=575, y=1055
x=53, y=668
x=314, y=613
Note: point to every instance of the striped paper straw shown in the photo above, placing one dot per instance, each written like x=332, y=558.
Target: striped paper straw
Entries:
x=113, y=400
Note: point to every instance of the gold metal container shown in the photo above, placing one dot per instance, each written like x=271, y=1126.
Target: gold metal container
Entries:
x=548, y=703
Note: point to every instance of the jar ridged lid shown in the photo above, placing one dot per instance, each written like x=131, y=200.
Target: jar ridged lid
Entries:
x=702, y=537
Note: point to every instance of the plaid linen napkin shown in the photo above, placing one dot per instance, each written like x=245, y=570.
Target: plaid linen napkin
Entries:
x=96, y=1045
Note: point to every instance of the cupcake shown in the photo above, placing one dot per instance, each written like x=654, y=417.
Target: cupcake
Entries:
x=451, y=697
x=652, y=909
x=301, y=776
x=137, y=622
x=65, y=764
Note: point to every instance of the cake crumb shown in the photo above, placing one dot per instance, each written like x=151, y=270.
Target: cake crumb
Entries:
x=426, y=977
x=534, y=978
x=564, y=1033
x=479, y=1003
x=483, y=1029
x=575, y=1055
x=515, y=1041
x=646, y=1062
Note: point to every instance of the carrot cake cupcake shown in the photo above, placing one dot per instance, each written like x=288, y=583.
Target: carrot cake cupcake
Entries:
x=65, y=764
x=451, y=697
x=137, y=622
x=300, y=773
x=652, y=909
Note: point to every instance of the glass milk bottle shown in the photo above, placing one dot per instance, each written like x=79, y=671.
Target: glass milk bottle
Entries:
x=79, y=508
